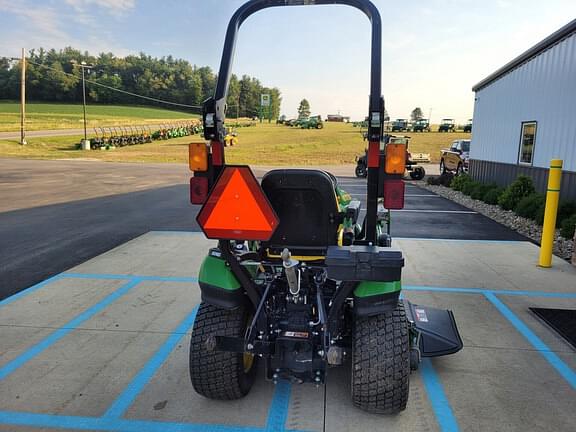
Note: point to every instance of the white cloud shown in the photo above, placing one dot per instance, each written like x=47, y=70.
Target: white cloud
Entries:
x=115, y=7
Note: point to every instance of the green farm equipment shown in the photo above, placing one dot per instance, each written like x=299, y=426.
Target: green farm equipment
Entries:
x=299, y=281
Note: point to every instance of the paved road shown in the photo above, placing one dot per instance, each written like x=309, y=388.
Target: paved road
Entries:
x=58, y=214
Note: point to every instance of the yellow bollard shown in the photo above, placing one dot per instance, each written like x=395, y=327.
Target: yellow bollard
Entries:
x=552, y=199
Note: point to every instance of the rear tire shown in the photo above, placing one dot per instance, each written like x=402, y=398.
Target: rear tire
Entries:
x=218, y=374
x=381, y=362
x=361, y=170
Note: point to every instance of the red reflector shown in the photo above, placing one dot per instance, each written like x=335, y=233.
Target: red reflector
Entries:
x=198, y=190
x=237, y=208
x=217, y=153
x=394, y=194
x=373, y=154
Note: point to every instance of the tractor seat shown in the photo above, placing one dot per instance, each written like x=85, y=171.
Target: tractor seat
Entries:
x=306, y=204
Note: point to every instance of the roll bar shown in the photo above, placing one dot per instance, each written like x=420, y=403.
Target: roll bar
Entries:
x=214, y=108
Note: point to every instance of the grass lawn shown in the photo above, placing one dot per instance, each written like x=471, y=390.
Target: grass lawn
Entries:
x=264, y=144
x=41, y=116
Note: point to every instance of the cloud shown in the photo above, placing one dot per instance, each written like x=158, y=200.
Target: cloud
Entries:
x=115, y=7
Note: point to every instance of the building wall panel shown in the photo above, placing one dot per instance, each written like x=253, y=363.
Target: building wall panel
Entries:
x=544, y=90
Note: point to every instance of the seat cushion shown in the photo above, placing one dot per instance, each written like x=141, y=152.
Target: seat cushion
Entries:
x=305, y=202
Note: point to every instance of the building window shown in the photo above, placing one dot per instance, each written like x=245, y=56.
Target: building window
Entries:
x=527, y=140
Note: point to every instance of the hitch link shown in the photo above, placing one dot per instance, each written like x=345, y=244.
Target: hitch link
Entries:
x=292, y=272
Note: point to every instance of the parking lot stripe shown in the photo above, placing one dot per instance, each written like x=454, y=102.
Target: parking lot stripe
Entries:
x=29, y=290
x=435, y=211
x=123, y=402
x=112, y=424
x=278, y=411
x=128, y=277
x=438, y=400
x=65, y=329
x=487, y=291
x=458, y=240
x=563, y=369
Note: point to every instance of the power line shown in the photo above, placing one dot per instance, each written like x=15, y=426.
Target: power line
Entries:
x=117, y=89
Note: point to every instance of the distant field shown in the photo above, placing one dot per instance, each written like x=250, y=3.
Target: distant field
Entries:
x=41, y=116
x=264, y=144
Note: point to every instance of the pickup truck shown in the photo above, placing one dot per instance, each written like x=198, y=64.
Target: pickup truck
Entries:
x=455, y=158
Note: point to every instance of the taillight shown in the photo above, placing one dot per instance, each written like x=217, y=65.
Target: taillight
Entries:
x=198, y=156
x=198, y=190
x=394, y=194
x=395, y=158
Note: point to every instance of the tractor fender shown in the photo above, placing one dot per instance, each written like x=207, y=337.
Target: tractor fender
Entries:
x=218, y=285
x=373, y=298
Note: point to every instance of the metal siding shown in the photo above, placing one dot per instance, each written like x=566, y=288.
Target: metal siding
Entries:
x=504, y=174
x=544, y=90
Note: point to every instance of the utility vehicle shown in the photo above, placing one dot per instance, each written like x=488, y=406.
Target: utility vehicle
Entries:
x=447, y=125
x=297, y=280
x=421, y=125
x=400, y=125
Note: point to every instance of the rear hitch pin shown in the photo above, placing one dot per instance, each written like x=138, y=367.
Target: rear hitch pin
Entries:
x=292, y=272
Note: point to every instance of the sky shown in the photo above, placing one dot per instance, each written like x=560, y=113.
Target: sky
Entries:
x=433, y=51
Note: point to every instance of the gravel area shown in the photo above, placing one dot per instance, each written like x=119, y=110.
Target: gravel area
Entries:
x=562, y=247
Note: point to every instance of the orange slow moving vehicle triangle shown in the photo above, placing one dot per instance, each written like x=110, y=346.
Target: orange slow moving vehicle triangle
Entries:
x=237, y=208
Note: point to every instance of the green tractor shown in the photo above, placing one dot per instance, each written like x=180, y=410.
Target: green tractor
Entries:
x=447, y=125
x=298, y=281
x=421, y=125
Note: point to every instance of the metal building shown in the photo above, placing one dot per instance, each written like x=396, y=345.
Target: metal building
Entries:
x=525, y=115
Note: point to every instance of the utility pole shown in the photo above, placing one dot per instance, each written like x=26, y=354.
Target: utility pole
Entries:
x=83, y=66
x=84, y=98
x=23, y=99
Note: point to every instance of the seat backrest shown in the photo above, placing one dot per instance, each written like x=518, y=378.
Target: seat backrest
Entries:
x=306, y=204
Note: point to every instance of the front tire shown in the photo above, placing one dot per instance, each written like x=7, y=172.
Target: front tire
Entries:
x=218, y=374
x=442, y=167
x=381, y=362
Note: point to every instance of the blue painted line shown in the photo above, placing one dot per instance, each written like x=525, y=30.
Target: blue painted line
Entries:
x=278, y=412
x=123, y=402
x=440, y=404
x=106, y=276
x=65, y=329
x=463, y=240
x=29, y=290
x=112, y=424
x=483, y=291
x=563, y=369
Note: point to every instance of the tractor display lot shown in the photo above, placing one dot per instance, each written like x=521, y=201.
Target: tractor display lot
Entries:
x=104, y=346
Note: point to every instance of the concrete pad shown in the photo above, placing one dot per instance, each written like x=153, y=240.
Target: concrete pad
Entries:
x=170, y=397
x=84, y=372
x=478, y=264
x=154, y=254
x=499, y=381
x=29, y=319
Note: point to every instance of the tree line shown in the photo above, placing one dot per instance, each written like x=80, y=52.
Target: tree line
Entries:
x=55, y=76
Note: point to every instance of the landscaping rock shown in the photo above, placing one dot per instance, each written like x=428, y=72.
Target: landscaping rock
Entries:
x=564, y=248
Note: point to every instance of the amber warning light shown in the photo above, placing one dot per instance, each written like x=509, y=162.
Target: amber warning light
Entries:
x=237, y=208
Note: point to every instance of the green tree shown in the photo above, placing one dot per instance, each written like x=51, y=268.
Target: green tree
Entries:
x=304, y=109
x=416, y=114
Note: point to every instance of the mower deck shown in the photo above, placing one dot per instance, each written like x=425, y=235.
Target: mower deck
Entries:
x=104, y=346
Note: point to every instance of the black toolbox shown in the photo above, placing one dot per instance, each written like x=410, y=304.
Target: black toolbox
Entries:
x=364, y=263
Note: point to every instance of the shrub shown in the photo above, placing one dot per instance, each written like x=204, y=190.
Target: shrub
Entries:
x=441, y=180
x=568, y=227
x=529, y=206
x=565, y=210
x=493, y=195
x=468, y=187
x=480, y=190
x=459, y=181
x=520, y=188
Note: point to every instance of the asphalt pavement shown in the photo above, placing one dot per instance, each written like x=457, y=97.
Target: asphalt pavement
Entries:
x=97, y=206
